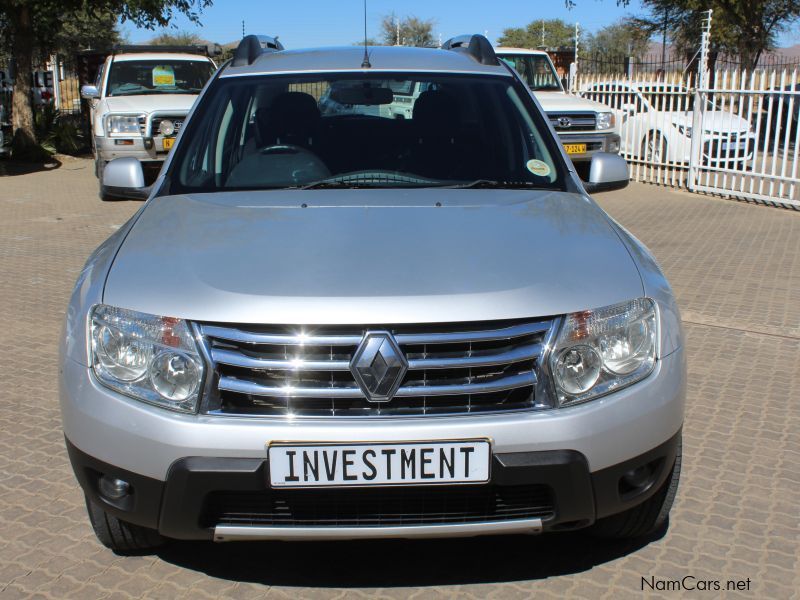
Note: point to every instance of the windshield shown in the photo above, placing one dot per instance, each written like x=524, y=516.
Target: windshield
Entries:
x=535, y=69
x=132, y=77
x=343, y=130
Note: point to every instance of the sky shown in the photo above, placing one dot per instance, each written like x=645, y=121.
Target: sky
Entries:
x=307, y=23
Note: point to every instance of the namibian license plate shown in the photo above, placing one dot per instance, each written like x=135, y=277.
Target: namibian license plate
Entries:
x=728, y=147
x=575, y=148
x=168, y=142
x=362, y=464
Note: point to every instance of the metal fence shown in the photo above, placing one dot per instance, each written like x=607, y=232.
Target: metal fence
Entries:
x=735, y=135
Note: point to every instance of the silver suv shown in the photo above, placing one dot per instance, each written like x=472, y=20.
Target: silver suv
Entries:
x=325, y=325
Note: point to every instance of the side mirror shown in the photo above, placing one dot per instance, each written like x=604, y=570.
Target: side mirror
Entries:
x=89, y=92
x=124, y=178
x=607, y=172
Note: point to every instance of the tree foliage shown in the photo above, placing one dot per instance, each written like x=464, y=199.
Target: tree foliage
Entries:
x=557, y=33
x=743, y=28
x=36, y=27
x=176, y=38
x=409, y=31
x=626, y=37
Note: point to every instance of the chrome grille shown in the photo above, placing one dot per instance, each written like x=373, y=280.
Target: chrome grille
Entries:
x=577, y=121
x=305, y=371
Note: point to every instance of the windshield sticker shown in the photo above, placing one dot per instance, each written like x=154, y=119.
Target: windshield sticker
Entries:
x=537, y=167
x=163, y=75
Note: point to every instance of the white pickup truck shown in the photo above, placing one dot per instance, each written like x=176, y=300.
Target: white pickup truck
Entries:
x=140, y=99
x=583, y=126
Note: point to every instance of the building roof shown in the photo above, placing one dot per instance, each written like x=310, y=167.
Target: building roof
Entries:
x=349, y=59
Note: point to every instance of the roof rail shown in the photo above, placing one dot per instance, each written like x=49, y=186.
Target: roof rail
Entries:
x=253, y=46
x=476, y=45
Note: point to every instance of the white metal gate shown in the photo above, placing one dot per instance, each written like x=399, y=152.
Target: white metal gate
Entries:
x=735, y=135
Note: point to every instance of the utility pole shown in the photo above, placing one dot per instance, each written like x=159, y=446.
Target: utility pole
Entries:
x=664, y=38
x=700, y=95
x=242, y=28
x=397, y=27
x=542, y=33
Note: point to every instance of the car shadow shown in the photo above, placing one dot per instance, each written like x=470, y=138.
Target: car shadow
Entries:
x=396, y=563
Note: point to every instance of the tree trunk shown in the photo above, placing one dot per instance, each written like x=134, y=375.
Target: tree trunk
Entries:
x=22, y=112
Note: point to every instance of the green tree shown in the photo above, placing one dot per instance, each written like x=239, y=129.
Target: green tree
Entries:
x=410, y=31
x=552, y=33
x=31, y=26
x=625, y=37
x=743, y=28
x=177, y=38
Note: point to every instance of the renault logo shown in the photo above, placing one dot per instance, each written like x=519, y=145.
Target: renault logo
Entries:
x=378, y=366
x=564, y=122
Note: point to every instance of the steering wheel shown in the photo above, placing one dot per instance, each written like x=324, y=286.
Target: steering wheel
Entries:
x=287, y=149
x=304, y=164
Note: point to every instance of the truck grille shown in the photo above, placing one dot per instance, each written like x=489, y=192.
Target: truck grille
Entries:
x=295, y=371
x=571, y=121
x=378, y=507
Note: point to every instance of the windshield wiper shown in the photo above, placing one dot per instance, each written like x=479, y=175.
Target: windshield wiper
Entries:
x=492, y=184
x=318, y=185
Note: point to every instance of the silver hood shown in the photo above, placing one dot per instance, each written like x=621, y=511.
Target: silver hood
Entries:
x=370, y=257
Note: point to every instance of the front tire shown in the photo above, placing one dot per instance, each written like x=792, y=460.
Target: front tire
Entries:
x=654, y=148
x=647, y=517
x=120, y=536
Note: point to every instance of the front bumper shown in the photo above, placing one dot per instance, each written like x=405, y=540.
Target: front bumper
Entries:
x=595, y=142
x=175, y=462
x=107, y=149
x=228, y=499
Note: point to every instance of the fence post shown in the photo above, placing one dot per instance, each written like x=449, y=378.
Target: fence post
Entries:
x=698, y=112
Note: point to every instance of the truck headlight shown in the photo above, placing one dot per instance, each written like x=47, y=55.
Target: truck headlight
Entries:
x=123, y=125
x=605, y=120
x=149, y=358
x=599, y=351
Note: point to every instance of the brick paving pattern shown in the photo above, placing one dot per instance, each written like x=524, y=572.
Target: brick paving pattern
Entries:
x=736, y=271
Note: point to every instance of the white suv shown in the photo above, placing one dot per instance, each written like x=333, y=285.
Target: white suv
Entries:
x=583, y=126
x=140, y=100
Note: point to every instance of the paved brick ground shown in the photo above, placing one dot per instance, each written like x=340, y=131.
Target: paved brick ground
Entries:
x=736, y=270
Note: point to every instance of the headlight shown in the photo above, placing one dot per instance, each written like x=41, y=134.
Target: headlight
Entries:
x=598, y=351
x=605, y=120
x=153, y=359
x=123, y=125
x=685, y=130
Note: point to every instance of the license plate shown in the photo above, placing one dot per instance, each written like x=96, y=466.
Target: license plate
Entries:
x=168, y=142
x=726, y=147
x=374, y=464
x=575, y=148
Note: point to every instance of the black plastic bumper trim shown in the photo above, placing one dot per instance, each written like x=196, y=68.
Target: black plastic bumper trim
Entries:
x=175, y=507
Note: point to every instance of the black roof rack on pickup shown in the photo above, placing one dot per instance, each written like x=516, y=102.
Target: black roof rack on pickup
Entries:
x=207, y=50
x=253, y=46
x=476, y=45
